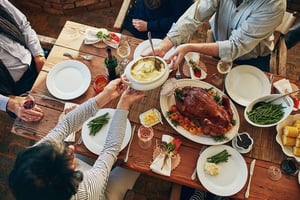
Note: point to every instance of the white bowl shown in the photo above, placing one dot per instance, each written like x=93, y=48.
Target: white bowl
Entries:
x=146, y=83
x=283, y=101
x=240, y=148
x=287, y=150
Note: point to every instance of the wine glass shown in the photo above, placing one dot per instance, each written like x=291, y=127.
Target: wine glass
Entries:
x=123, y=51
x=223, y=68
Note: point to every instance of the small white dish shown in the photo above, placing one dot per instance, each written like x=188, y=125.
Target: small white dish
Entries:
x=150, y=117
x=192, y=60
x=286, y=102
x=240, y=148
x=114, y=41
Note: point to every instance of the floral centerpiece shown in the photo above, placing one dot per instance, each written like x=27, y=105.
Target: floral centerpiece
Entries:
x=166, y=155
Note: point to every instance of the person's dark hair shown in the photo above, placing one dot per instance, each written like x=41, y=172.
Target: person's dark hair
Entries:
x=42, y=172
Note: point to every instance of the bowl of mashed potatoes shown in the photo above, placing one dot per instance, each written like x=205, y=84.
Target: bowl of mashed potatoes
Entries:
x=141, y=73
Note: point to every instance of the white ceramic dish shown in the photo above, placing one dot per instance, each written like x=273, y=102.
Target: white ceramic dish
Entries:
x=145, y=46
x=68, y=79
x=153, y=115
x=244, y=83
x=233, y=173
x=287, y=150
x=145, y=86
x=239, y=148
x=166, y=101
x=95, y=143
x=283, y=101
x=194, y=57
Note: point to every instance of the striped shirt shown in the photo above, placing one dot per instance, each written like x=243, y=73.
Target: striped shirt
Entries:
x=94, y=179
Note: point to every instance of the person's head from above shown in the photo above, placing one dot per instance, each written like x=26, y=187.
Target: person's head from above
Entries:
x=45, y=171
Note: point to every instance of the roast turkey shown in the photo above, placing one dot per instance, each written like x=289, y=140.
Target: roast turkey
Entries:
x=196, y=103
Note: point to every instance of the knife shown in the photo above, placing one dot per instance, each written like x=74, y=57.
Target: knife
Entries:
x=252, y=165
x=130, y=141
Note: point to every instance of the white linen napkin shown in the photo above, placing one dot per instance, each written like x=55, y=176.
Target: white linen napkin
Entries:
x=162, y=165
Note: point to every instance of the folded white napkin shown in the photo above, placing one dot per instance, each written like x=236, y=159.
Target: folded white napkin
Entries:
x=162, y=165
x=91, y=37
x=283, y=86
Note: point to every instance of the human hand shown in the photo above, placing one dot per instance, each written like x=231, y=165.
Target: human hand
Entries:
x=113, y=90
x=16, y=105
x=129, y=97
x=140, y=25
x=177, y=56
x=164, y=46
x=39, y=62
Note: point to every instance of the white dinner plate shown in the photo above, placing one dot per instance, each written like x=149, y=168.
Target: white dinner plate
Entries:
x=145, y=46
x=95, y=143
x=166, y=102
x=244, y=83
x=68, y=79
x=233, y=173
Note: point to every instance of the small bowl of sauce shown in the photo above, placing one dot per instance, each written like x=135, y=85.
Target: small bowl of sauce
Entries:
x=243, y=142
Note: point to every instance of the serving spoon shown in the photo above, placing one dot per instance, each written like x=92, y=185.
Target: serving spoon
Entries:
x=260, y=103
x=156, y=64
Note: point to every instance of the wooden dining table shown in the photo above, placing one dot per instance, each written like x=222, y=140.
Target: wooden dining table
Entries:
x=266, y=150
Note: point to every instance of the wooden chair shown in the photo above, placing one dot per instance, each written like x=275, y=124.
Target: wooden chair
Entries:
x=279, y=53
x=122, y=13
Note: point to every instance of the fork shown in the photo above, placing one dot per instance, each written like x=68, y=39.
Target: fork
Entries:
x=178, y=74
x=85, y=57
x=193, y=176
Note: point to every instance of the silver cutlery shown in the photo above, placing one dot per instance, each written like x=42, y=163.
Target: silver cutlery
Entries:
x=51, y=98
x=85, y=57
x=178, y=74
x=129, y=144
x=193, y=176
x=79, y=140
x=252, y=165
x=156, y=64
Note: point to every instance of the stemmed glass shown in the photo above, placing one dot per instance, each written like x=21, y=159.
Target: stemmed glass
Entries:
x=223, y=68
x=123, y=51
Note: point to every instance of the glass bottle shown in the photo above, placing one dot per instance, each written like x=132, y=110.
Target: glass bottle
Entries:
x=111, y=64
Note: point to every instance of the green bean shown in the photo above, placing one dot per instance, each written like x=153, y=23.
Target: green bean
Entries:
x=266, y=113
x=97, y=123
x=219, y=157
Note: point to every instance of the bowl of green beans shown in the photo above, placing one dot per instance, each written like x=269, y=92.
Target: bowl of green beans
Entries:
x=262, y=113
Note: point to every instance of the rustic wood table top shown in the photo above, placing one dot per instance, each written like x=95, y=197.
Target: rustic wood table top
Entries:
x=265, y=149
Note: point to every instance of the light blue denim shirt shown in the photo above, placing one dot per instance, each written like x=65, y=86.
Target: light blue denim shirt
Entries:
x=241, y=32
x=13, y=55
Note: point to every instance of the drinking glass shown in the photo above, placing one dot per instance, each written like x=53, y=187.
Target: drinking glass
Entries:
x=29, y=101
x=145, y=135
x=224, y=67
x=218, y=79
x=123, y=51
